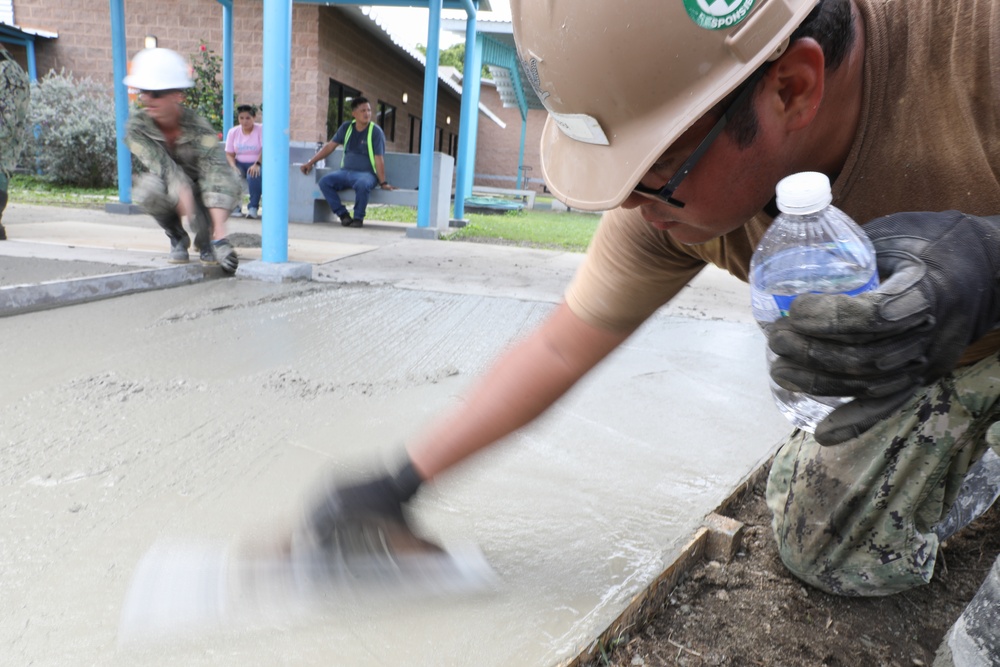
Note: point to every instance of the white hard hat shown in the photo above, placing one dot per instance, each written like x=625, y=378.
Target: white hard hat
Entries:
x=159, y=69
x=623, y=80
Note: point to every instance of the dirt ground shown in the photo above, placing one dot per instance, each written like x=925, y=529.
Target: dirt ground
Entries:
x=751, y=611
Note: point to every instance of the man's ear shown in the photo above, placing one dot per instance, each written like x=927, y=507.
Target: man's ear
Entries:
x=796, y=80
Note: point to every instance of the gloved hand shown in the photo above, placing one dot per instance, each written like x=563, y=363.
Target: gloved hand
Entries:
x=225, y=255
x=379, y=498
x=939, y=293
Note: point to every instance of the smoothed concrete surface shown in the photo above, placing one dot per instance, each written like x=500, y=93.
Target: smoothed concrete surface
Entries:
x=213, y=410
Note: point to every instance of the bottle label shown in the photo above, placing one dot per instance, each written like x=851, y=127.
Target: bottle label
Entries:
x=769, y=307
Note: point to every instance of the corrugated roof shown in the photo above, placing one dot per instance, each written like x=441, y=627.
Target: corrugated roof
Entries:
x=369, y=19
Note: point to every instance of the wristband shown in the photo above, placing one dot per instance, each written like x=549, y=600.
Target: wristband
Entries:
x=383, y=183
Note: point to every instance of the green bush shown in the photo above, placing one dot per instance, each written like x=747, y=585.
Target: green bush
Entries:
x=205, y=96
x=74, y=123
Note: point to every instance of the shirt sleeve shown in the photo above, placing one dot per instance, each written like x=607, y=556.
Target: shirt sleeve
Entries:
x=231, y=139
x=338, y=137
x=154, y=156
x=631, y=269
x=258, y=133
x=219, y=185
x=378, y=141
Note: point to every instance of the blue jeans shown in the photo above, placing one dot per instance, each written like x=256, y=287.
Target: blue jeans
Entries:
x=362, y=182
x=254, y=183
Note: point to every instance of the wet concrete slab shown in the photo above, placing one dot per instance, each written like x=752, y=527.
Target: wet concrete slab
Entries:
x=211, y=411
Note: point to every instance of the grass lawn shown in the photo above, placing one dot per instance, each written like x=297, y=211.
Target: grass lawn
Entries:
x=536, y=229
x=26, y=189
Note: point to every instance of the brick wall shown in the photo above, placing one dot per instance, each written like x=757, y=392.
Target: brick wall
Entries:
x=497, y=148
x=325, y=44
x=355, y=58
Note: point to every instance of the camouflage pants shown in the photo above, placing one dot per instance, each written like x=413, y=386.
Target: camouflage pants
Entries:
x=151, y=194
x=3, y=193
x=857, y=518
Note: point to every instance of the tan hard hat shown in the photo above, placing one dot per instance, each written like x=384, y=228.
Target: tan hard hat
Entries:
x=623, y=80
x=159, y=69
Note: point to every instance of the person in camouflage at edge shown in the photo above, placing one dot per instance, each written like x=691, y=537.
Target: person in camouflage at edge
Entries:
x=188, y=175
x=15, y=90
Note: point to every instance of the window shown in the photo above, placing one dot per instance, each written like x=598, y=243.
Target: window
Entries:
x=452, y=144
x=387, y=120
x=338, y=108
x=440, y=141
x=414, y=134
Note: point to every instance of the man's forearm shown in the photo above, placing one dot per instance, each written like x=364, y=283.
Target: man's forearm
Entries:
x=380, y=169
x=327, y=148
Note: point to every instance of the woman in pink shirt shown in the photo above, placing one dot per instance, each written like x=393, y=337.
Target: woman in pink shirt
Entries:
x=244, y=145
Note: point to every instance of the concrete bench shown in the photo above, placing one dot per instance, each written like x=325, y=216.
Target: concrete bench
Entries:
x=526, y=196
x=402, y=170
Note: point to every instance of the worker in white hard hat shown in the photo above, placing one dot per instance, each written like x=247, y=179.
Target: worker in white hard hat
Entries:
x=679, y=118
x=188, y=175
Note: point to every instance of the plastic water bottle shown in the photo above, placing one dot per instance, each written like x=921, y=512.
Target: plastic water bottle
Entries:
x=811, y=248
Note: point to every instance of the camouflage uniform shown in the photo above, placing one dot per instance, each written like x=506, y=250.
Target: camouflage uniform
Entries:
x=859, y=518
x=15, y=89
x=197, y=161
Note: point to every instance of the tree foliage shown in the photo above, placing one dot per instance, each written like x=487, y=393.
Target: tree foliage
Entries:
x=454, y=56
x=205, y=97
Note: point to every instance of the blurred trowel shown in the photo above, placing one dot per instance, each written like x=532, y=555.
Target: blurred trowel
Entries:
x=182, y=589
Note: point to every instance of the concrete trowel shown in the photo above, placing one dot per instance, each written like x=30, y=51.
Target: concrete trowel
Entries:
x=184, y=589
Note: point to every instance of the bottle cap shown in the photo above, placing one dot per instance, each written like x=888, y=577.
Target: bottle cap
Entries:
x=804, y=192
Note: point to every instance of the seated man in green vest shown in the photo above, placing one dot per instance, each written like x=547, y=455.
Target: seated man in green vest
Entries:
x=362, y=168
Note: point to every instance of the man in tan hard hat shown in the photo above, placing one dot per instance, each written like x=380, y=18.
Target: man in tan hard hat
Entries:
x=679, y=118
x=188, y=175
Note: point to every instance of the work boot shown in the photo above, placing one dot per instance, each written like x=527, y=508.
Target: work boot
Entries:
x=3, y=233
x=346, y=220
x=225, y=255
x=207, y=256
x=179, y=249
x=357, y=222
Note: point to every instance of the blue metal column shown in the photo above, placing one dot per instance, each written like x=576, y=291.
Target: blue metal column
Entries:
x=29, y=46
x=520, y=156
x=277, y=92
x=227, y=66
x=469, y=124
x=120, y=65
x=429, y=121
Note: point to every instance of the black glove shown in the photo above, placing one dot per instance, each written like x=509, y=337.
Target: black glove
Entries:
x=376, y=499
x=939, y=293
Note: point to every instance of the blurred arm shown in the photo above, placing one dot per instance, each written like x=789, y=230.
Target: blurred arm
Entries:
x=520, y=386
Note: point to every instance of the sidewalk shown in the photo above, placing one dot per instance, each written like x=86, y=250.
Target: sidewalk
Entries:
x=210, y=411
x=52, y=244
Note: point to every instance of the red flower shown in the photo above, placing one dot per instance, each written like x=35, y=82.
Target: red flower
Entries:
x=203, y=48
x=220, y=135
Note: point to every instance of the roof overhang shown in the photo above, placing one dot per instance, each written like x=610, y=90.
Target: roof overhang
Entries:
x=20, y=34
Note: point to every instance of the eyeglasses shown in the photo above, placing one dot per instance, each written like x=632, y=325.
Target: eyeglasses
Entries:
x=666, y=193
x=156, y=94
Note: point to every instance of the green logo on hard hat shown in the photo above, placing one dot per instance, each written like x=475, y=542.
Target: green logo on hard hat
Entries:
x=718, y=14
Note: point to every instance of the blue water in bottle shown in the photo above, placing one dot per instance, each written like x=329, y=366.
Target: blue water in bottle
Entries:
x=812, y=247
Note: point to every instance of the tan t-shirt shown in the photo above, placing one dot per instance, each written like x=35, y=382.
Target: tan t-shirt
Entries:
x=928, y=140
